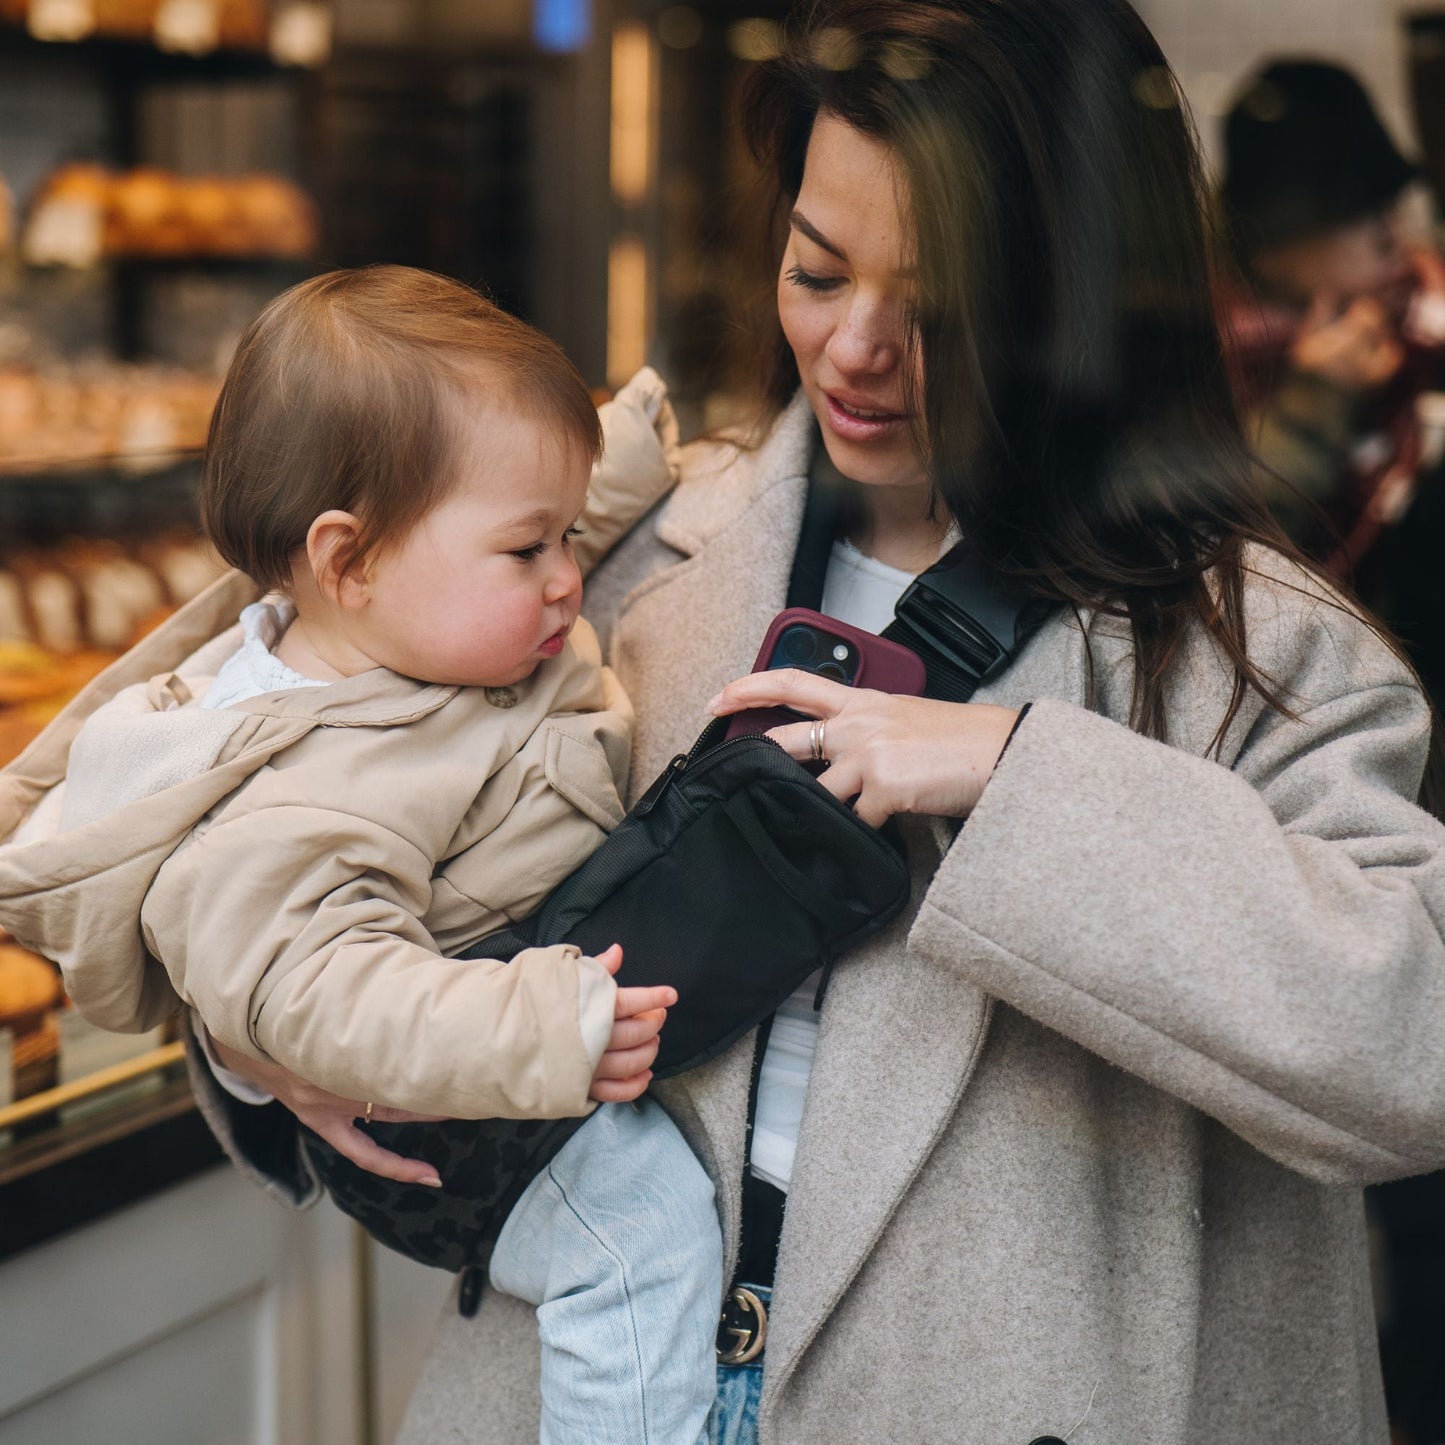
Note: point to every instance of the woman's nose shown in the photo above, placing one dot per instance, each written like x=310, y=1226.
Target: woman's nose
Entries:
x=868, y=338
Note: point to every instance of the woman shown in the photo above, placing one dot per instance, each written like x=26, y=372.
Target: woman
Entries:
x=1075, y=1149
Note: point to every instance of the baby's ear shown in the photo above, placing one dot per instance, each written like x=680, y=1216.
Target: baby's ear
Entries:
x=333, y=552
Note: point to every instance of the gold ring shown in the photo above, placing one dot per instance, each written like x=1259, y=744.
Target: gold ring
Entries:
x=366, y=1117
x=815, y=739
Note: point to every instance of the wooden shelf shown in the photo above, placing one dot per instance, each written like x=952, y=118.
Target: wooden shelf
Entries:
x=143, y=60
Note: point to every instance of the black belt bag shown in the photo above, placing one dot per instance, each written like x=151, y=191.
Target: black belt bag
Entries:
x=733, y=879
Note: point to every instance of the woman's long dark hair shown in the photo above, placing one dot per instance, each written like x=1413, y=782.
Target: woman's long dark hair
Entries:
x=1076, y=411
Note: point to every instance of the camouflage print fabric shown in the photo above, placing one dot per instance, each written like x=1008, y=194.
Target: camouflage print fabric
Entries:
x=485, y=1165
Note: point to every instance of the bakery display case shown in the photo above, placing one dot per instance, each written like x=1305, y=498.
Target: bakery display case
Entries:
x=152, y=199
x=167, y=166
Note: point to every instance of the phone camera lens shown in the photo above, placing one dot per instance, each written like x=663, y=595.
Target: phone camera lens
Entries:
x=833, y=670
x=798, y=646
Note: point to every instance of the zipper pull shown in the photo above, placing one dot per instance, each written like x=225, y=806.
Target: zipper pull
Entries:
x=650, y=799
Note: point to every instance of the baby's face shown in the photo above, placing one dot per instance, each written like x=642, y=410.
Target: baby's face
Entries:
x=485, y=588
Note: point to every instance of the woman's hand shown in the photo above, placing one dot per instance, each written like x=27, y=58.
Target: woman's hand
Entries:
x=892, y=754
x=334, y=1118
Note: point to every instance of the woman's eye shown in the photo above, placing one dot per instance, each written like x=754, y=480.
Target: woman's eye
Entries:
x=811, y=282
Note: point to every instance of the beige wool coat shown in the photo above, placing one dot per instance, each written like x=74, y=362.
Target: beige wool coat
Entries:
x=1086, y=1132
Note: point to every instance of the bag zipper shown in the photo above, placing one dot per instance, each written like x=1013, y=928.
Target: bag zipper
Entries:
x=650, y=799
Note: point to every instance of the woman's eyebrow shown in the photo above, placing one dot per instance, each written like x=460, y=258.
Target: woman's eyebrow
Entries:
x=800, y=222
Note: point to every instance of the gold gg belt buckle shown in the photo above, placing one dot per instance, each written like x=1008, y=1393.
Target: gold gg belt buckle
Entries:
x=742, y=1331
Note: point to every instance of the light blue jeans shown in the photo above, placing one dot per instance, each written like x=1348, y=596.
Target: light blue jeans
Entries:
x=617, y=1244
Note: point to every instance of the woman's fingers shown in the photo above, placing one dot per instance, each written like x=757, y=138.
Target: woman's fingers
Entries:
x=385, y=1114
x=366, y=1153
x=796, y=739
x=787, y=687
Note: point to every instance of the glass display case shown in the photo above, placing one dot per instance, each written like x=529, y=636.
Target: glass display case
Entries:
x=151, y=198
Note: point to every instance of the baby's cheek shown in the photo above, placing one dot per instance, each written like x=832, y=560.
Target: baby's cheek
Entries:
x=497, y=626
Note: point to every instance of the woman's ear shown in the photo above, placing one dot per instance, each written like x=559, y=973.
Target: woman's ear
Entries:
x=332, y=543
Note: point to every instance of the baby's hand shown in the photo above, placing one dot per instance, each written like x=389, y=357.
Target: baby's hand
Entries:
x=624, y=1071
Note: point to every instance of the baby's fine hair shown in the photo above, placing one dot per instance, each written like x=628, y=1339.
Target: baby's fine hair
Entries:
x=351, y=391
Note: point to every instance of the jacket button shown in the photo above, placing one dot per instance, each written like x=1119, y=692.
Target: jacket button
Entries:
x=1047, y=1440
x=502, y=696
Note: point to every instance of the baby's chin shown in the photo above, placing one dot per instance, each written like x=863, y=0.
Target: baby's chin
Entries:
x=500, y=678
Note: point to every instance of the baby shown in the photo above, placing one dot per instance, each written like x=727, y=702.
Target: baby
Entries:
x=406, y=742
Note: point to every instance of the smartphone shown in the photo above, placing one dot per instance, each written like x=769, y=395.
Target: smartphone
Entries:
x=799, y=637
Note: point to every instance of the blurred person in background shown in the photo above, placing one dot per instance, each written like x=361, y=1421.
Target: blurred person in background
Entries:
x=1334, y=320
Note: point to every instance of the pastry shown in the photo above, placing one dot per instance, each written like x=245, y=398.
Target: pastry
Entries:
x=146, y=216
x=28, y=988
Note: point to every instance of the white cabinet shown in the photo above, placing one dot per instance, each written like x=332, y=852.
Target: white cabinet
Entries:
x=209, y=1315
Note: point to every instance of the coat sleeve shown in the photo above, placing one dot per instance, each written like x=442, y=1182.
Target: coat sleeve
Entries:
x=1263, y=942
x=299, y=940
x=639, y=465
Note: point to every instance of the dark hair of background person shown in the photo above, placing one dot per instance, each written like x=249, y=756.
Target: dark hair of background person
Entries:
x=1076, y=413
x=1304, y=154
x=352, y=391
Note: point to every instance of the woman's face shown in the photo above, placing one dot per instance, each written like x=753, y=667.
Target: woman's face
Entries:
x=843, y=296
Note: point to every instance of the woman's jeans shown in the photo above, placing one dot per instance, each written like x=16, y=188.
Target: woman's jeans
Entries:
x=617, y=1244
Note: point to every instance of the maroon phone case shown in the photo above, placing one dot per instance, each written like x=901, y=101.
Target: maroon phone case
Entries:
x=882, y=665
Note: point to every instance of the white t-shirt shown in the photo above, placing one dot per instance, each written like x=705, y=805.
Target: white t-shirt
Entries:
x=863, y=593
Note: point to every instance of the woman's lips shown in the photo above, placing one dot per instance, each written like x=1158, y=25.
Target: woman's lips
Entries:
x=858, y=423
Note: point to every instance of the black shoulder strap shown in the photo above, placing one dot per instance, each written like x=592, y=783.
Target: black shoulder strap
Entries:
x=815, y=545
x=965, y=621
x=967, y=624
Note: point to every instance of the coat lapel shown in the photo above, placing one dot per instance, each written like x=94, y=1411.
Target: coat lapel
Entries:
x=696, y=625
x=678, y=638
x=898, y=1044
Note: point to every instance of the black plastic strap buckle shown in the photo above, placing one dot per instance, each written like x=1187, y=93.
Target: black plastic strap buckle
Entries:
x=964, y=622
